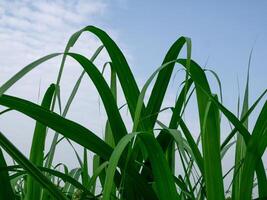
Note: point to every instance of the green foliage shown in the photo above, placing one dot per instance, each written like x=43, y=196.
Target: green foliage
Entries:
x=152, y=161
x=6, y=191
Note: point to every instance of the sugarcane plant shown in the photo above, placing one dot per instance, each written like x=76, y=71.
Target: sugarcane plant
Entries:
x=140, y=162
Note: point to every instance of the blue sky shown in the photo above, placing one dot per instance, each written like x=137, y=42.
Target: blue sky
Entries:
x=222, y=32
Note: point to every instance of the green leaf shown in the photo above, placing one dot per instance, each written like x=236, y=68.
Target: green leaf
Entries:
x=96, y=173
x=210, y=132
x=163, y=79
x=64, y=126
x=109, y=138
x=30, y=168
x=74, y=91
x=162, y=175
x=6, y=191
x=255, y=149
x=233, y=132
x=64, y=177
x=113, y=162
x=240, y=150
x=73, y=131
x=139, y=105
x=75, y=174
x=85, y=173
x=115, y=120
x=38, y=147
x=165, y=140
x=24, y=71
x=193, y=146
x=125, y=76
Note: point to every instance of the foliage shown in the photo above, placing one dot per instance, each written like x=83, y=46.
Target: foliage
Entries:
x=141, y=163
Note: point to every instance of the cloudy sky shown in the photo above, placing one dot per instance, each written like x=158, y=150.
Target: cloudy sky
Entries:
x=222, y=34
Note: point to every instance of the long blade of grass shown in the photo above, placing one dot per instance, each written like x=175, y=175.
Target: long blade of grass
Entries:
x=73, y=131
x=113, y=162
x=164, y=181
x=125, y=76
x=262, y=179
x=138, y=112
x=255, y=149
x=226, y=148
x=231, y=117
x=233, y=132
x=182, y=150
x=82, y=135
x=75, y=174
x=6, y=191
x=116, y=123
x=109, y=138
x=203, y=86
x=246, y=135
x=163, y=79
x=165, y=140
x=240, y=150
x=209, y=123
x=218, y=81
x=65, y=177
x=38, y=147
x=30, y=168
x=210, y=134
x=139, y=105
x=193, y=146
x=160, y=87
x=181, y=184
x=85, y=173
x=96, y=173
x=24, y=71
x=5, y=111
x=74, y=91
x=96, y=164
x=163, y=178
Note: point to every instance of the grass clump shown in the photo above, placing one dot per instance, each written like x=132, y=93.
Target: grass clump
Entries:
x=140, y=163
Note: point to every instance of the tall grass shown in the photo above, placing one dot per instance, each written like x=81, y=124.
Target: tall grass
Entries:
x=140, y=163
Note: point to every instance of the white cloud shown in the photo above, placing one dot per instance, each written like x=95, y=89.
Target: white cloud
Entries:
x=55, y=20
x=31, y=29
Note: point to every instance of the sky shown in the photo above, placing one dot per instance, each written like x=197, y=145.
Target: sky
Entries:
x=223, y=33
